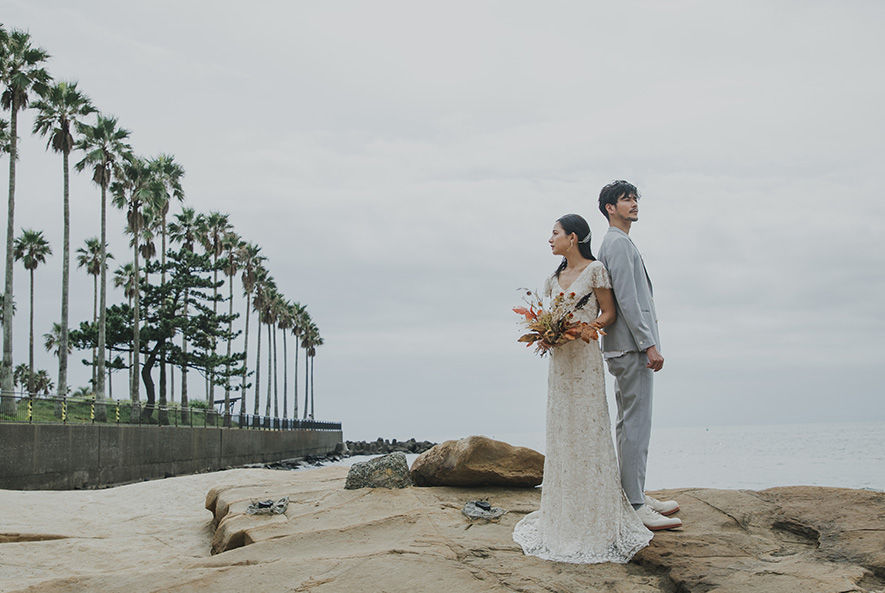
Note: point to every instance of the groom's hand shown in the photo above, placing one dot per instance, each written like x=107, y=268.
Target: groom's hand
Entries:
x=655, y=360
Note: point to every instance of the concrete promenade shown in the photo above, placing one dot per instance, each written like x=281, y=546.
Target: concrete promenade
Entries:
x=65, y=457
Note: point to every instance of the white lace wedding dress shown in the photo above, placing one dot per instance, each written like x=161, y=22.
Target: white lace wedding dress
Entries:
x=584, y=517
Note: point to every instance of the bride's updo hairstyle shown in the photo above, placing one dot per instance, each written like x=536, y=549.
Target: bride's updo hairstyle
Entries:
x=575, y=223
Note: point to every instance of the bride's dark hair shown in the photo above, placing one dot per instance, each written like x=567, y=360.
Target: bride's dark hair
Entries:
x=575, y=223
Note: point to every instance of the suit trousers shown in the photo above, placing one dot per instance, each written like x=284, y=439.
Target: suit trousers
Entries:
x=634, y=384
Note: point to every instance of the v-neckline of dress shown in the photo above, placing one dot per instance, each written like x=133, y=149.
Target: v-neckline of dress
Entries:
x=576, y=278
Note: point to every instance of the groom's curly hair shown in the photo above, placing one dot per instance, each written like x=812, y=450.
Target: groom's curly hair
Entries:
x=614, y=190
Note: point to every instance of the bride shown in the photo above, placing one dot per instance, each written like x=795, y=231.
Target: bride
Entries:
x=584, y=517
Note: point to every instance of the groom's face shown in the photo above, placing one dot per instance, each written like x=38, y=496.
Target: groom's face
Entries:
x=626, y=208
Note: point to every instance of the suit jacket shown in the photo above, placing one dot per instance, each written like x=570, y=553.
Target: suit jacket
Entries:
x=636, y=327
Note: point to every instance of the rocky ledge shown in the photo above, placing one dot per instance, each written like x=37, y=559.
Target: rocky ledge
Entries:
x=794, y=539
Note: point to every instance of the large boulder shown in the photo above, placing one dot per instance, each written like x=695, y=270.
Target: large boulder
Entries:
x=389, y=471
x=478, y=461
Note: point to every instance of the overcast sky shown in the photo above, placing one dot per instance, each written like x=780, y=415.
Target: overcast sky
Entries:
x=401, y=165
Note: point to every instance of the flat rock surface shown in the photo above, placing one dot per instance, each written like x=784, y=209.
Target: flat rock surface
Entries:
x=158, y=536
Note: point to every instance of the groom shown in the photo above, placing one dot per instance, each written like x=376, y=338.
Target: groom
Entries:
x=631, y=350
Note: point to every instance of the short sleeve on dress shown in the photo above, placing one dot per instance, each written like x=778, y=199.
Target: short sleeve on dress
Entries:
x=599, y=277
x=548, y=287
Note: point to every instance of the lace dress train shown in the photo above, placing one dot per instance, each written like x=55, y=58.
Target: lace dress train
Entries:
x=584, y=516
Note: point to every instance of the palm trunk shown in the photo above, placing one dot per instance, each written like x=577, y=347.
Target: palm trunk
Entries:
x=102, y=302
x=210, y=372
x=65, y=277
x=306, y=380
x=276, y=393
x=245, y=354
x=162, y=413
x=257, y=409
x=285, y=375
x=230, y=327
x=101, y=411
x=163, y=283
x=94, y=321
x=31, y=341
x=7, y=395
x=269, y=368
x=185, y=413
x=295, y=381
x=312, y=409
x=130, y=355
x=136, y=337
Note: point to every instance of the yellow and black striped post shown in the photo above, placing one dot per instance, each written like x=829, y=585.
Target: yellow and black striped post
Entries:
x=30, y=410
x=64, y=411
x=92, y=411
x=118, y=412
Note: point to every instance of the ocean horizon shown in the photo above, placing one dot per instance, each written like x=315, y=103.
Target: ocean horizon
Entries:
x=842, y=455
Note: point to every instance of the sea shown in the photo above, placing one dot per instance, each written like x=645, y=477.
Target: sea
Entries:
x=847, y=455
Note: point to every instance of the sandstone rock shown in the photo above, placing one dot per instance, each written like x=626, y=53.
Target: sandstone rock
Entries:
x=478, y=461
x=389, y=471
x=783, y=540
x=798, y=538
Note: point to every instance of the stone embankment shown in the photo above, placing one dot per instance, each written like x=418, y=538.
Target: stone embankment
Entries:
x=383, y=447
x=347, y=449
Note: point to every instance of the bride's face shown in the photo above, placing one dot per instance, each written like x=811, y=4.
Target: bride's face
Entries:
x=559, y=240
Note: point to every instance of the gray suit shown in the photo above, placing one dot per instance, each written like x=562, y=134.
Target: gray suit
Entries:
x=634, y=331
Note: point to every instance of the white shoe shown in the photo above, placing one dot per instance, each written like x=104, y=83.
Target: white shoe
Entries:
x=666, y=507
x=655, y=521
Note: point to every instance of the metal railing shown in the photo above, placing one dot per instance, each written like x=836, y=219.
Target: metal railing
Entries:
x=46, y=409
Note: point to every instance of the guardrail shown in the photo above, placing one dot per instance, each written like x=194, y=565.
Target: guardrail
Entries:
x=78, y=410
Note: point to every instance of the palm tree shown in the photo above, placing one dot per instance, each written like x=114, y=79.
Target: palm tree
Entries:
x=31, y=248
x=105, y=146
x=250, y=260
x=263, y=284
x=170, y=174
x=285, y=322
x=89, y=257
x=311, y=341
x=53, y=340
x=61, y=106
x=298, y=314
x=185, y=229
x=82, y=392
x=268, y=315
x=43, y=382
x=144, y=242
x=137, y=188
x=20, y=375
x=215, y=226
x=124, y=277
x=21, y=72
x=306, y=324
x=277, y=309
x=232, y=245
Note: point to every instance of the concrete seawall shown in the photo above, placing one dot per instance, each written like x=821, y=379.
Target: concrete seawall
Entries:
x=65, y=457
